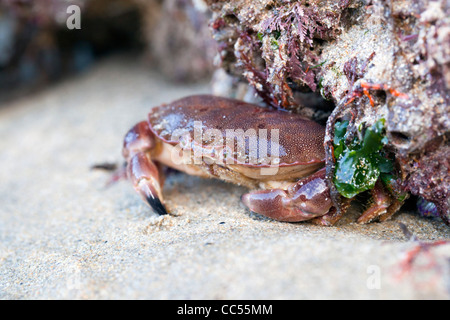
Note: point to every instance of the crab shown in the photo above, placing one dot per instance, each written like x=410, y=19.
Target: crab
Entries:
x=227, y=139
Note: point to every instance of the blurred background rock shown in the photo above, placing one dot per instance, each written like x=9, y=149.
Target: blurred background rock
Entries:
x=37, y=48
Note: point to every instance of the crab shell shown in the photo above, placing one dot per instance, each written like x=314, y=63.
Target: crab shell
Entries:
x=299, y=144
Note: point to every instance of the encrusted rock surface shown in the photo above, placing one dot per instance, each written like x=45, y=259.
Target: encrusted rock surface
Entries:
x=335, y=48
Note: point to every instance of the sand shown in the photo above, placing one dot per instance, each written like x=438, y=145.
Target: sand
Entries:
x=64, y=235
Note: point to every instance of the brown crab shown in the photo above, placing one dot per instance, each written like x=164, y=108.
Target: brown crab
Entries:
x=286, y=172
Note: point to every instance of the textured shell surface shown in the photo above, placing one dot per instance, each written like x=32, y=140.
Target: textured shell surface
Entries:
x=293, y=138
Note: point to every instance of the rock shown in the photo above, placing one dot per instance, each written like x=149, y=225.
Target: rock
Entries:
x=373, y=59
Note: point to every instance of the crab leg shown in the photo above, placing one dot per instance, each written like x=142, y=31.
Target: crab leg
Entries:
x=380, y=205
x=304, y=200
x=141, y=170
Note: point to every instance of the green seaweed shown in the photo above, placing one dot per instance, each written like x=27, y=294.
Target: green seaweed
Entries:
x=359, y=163
x=274, y=44
x=319, y=65
x=260, y=36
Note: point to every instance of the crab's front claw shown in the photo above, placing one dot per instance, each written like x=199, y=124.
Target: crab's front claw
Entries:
x=141, y=170
x=144, y=175
x=272, y=204
x=304, y=200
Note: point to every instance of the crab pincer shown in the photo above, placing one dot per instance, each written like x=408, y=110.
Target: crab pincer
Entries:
x=139, y=143
x=304, y=200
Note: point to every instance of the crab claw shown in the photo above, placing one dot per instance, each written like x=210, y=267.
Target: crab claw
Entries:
x=141, y=170
x=145, y=178
x=304, y=200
